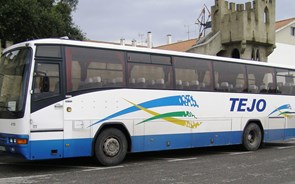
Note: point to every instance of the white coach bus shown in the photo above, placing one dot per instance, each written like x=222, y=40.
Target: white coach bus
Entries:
x=61, y=98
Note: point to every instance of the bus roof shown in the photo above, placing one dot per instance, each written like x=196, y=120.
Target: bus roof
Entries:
x=62, y=41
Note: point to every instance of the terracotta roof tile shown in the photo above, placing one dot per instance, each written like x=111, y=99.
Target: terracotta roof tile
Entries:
x=179, y=46
x=282, y=23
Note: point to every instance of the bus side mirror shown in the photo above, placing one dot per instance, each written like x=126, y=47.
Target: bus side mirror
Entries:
x=45, y=83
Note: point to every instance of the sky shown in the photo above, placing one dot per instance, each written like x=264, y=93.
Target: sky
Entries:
x=111, y=20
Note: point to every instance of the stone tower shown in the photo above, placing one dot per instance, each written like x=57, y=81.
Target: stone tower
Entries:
x=244, y=31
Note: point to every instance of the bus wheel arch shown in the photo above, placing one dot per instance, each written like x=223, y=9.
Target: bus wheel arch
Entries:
x=253, y=134
x=111, y=144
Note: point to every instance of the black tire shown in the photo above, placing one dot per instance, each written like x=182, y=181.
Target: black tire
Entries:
x=110, y=147
x=252, y=137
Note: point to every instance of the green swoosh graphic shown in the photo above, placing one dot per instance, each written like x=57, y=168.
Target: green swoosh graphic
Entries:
x=167, y=115
x=285, y=114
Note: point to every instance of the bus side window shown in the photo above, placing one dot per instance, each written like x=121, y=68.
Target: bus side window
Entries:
x=91, y=68
x=285, y=81
x=149, y=71
x=192, y=74
x=46, y=81
x=149, y=76
x=262, y=78
x=229, y=77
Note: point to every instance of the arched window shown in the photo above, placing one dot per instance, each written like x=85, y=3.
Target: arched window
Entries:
x=235, y=54
x=266, y=16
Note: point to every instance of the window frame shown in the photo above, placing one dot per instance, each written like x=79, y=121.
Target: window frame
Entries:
x=44, y=101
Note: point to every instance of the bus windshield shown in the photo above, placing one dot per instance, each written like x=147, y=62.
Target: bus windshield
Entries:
x=14, y=67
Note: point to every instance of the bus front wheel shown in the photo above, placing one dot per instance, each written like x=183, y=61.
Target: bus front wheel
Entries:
x=110, y=147
x=252, y=137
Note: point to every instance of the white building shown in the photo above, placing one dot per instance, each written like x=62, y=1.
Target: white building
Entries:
x=285, y=43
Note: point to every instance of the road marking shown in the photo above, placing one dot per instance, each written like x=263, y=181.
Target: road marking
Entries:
x=285, y=147
x=240, y=153
x=37, y=164
x=24, y=179
x=101, y=168
x=85, y=168
x=182, y=159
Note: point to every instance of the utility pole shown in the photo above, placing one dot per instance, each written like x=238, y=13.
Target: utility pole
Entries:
x=189, y=31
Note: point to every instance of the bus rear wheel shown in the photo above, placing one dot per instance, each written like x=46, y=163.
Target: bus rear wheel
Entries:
x=110, y=147
x=252, y=137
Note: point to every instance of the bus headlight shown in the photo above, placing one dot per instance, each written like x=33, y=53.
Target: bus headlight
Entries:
x=12, y=140
x=18, y=141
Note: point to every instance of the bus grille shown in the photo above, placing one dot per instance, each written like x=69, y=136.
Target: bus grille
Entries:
x=2, y=140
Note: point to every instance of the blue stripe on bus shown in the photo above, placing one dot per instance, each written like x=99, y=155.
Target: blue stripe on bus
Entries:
x=50, y=149
x=179, y=141
x=289, y=133
x=279, y=134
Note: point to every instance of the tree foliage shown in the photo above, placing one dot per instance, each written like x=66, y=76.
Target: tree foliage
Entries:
x=22, y=20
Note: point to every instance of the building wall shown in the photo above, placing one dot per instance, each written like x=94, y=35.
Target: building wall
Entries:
x=283, y=54
x=246, y=29
x=249, y=24
x=284, y=35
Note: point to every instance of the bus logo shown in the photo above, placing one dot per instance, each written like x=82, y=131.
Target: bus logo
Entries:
x=246, y=105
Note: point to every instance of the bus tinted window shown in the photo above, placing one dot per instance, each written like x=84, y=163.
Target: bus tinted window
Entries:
x=149, y=76
x=229, y=77
x=285, y=81
x=261, y=79
x=94, y=68
x=165, y=60
x=48, y=51
x=192, y=74
x=139, y=57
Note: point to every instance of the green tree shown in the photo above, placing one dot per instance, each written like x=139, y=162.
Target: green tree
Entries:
x=22, y=20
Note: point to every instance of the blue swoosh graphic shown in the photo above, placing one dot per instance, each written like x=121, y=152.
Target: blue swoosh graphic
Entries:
x=287, y=106
x=180, y=100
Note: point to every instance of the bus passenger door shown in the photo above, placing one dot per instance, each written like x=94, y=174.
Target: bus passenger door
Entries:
x=77, y=130
x=47, y=117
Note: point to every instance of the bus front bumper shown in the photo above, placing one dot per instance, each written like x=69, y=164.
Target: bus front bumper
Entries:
x=15, y=145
